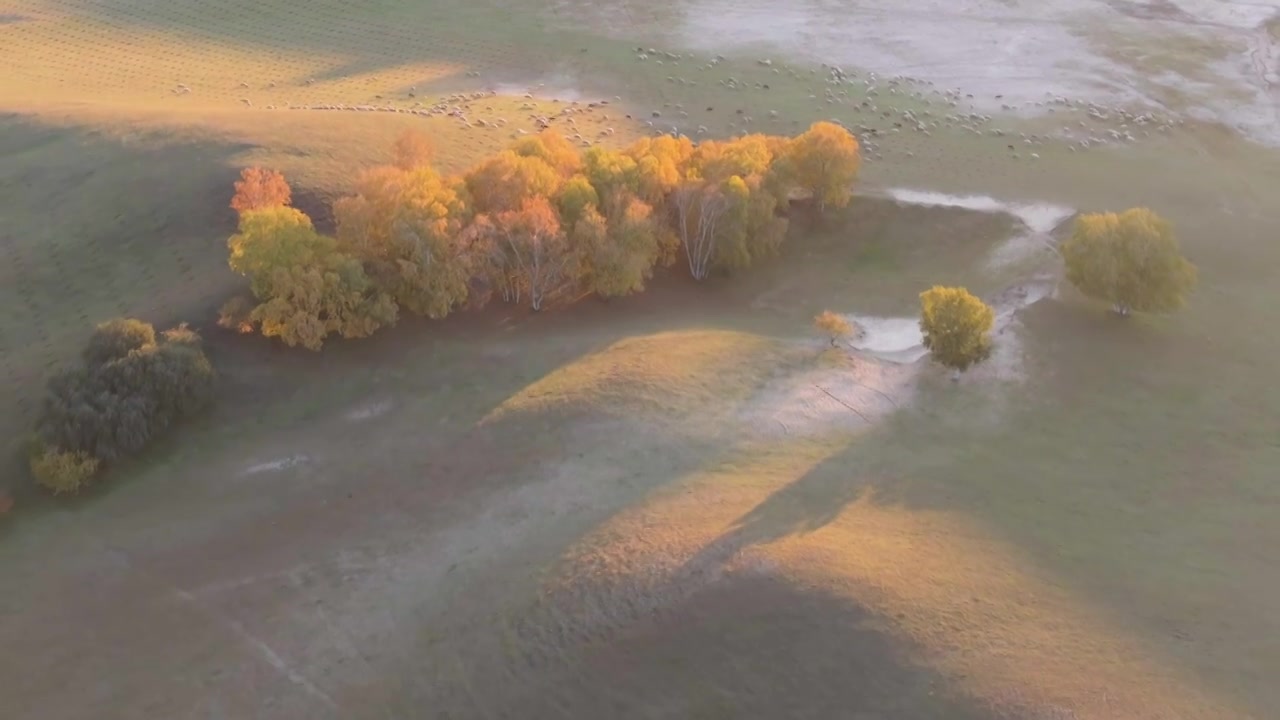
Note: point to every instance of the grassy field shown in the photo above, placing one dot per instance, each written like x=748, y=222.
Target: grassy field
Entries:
x=640, y=508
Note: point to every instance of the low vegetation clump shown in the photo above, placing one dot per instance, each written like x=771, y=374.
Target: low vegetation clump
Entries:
x=131, y=388
x=956, y=327
x=834, y=326
x=1130, y=260
x=536, y=222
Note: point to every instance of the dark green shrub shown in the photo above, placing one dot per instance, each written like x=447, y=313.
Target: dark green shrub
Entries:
x=111, y=409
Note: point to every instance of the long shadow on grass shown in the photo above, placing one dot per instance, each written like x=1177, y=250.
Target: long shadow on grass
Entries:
x=748, y=647
x=1123, y=472
x=95, y=227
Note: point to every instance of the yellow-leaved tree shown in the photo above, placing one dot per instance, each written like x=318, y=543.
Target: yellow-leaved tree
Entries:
x=618, y=246
x=1130, y=260
x=956, y=327
x=505, y=181
x=305, y=286
x=833, y=325
x=824, y=161
x=406, y=227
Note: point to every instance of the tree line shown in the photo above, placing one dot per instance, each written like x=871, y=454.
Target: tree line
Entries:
x=539, y=221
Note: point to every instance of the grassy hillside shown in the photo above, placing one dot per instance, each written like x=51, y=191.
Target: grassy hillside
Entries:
x=583, y=513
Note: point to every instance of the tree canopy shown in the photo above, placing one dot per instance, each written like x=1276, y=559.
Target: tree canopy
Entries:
x=260, y=188
x=824, y=161
x=526, y=224
x=1130, y=260
x=131, y=388
x=956, y=326
x=306, y=286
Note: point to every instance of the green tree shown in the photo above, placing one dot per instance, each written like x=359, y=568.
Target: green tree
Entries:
x=956, y=327
x=110, y=409
x=405, y=226
x=1131, y=260
x=306, y=286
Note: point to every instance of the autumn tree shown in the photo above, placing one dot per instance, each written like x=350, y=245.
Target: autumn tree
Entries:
x=699, y=207
x=956, y=327
x=553, y=149
x=1131, y=260
x=617, y=250
x=306, y=286
x=824, y=161
x=834, y=326
x=536, y=253
x=503, y=182
x=405, y=226
x=659, y=166
x=412, y=150
x=260, y=188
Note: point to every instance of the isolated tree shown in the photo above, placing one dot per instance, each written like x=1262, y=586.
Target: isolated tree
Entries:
x=405, y=226
x=260, y=188
x=824, y=161
x=412, y=150
x=956, y=327
x=832, y=325
x=539, y=253
x=1130, y=260
x=505, y=181
x=306, y=286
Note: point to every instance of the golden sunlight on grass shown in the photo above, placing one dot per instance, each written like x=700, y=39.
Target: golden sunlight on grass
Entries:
x=963, y=601
x=671, y=373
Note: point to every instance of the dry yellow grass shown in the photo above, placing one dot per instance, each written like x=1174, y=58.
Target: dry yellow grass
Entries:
x=671, y=374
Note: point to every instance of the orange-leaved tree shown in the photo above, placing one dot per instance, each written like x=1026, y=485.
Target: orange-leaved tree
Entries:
x=534, y=250
x=505, y=181
x=260, y=188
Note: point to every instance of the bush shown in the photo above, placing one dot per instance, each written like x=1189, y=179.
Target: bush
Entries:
x=63, y=472
x=115, y=339
x=834, y=326
x=111, y=410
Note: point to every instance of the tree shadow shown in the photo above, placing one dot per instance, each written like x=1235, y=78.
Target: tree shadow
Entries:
x=1121, y=505
x=752, y=646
